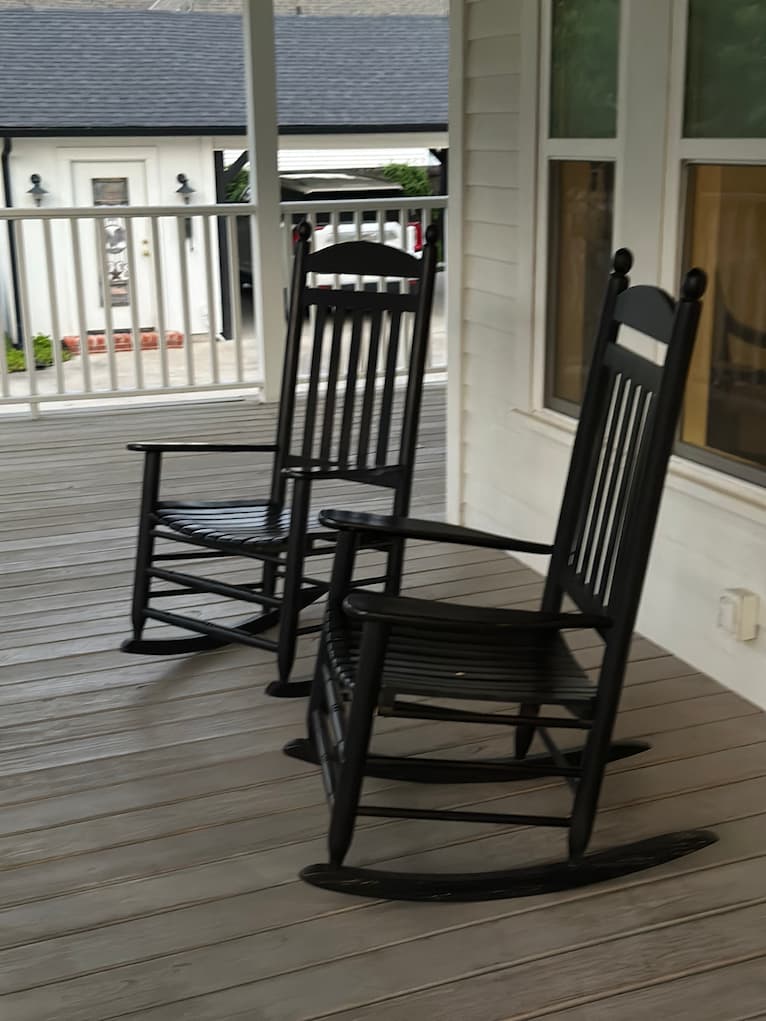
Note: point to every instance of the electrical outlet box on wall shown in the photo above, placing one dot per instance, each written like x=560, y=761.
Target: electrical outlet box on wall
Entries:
x=738, y=613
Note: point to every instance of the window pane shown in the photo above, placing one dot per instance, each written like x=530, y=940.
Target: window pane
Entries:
x=726, y=69
x=113, y=191
x=725, y=408
x=580, y=251
x=584, y=68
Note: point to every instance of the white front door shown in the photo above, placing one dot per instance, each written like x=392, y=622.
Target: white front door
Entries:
x=114, y=183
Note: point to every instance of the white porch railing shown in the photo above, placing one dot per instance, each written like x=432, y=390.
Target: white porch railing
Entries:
x=149, y=301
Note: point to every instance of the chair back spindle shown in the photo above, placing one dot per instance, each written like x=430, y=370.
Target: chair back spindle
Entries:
x=355, y=417
x=623, y=443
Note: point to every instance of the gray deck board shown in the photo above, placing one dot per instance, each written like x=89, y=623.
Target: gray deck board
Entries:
x=151, y=830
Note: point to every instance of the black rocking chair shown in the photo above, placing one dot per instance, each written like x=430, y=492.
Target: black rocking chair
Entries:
x=388, y=654
x=354, y=425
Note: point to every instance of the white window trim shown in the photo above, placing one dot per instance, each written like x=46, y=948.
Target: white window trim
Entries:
x=709, y=486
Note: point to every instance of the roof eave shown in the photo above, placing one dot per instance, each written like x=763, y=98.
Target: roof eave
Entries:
x=111, y=130
x=114, y=130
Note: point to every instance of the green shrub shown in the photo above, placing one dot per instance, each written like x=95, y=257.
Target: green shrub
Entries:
x=414, y=180
x=42, y=345
x=14, y=358
x=236, y=188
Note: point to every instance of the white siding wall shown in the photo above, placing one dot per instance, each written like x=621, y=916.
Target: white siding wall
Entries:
x=498, y=199
x=511, y=455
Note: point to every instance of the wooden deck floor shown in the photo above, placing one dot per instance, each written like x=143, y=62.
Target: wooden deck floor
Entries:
x=151, y=831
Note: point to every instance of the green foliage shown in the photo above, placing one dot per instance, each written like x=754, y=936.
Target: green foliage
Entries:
x=14, y=358
x=726, y=69
x=235, y=189
x=414, y=180
x=42, y=345
x=584, y=68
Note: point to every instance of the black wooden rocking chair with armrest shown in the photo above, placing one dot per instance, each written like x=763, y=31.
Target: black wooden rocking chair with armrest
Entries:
x=354, y=425
x=384, y=653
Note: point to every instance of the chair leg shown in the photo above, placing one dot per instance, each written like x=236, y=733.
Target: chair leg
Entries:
x=394, y=567
x=291, y=597
x=145, y=546
x=287, y=641
x=269, y=577
x=342, y=572
x=304, y=748
x=594, y=761
x=526, y=732
x=357, y=740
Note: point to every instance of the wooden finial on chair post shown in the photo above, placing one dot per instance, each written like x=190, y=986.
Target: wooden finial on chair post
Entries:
x=622, y=261
x=694, y=285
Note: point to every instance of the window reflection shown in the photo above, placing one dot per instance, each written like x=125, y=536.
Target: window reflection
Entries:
x=725, y=407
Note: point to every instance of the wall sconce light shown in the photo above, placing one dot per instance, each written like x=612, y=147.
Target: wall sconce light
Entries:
x=36, y=191
x=186, y=190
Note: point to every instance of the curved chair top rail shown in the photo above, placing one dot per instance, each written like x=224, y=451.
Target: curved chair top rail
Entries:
x=648, y=310
x=652, y=311
x=364, y=258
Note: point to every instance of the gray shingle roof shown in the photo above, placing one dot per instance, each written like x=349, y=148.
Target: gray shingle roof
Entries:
x=85, y=72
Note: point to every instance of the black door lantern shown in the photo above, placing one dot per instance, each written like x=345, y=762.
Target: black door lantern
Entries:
x=186, y=191
x=36, y=191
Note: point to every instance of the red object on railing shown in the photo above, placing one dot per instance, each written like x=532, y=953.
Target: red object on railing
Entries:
x=418, y=234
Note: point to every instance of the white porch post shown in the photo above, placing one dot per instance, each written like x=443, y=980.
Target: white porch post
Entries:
x=265, y=230
x=455, y=212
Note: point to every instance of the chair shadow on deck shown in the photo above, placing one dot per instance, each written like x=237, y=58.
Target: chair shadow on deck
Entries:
x=370, y=322
x=384, y=654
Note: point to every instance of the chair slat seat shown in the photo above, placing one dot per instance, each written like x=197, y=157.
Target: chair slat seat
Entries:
x=520, y=667
x=250, y=527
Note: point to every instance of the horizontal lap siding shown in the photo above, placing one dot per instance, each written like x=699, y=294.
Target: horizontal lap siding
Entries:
x=489, y=275
x=491, y=169
x=493, y=373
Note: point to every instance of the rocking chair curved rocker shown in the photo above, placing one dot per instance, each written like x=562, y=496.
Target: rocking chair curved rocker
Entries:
x=354, y=425
x=382, y=653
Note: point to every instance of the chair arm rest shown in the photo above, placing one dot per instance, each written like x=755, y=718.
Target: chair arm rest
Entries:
x=440, y=616
x=192, y=447
x=414, y=528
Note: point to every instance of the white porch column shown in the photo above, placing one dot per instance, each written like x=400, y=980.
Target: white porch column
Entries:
x=265, y=230
x=455, y=276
